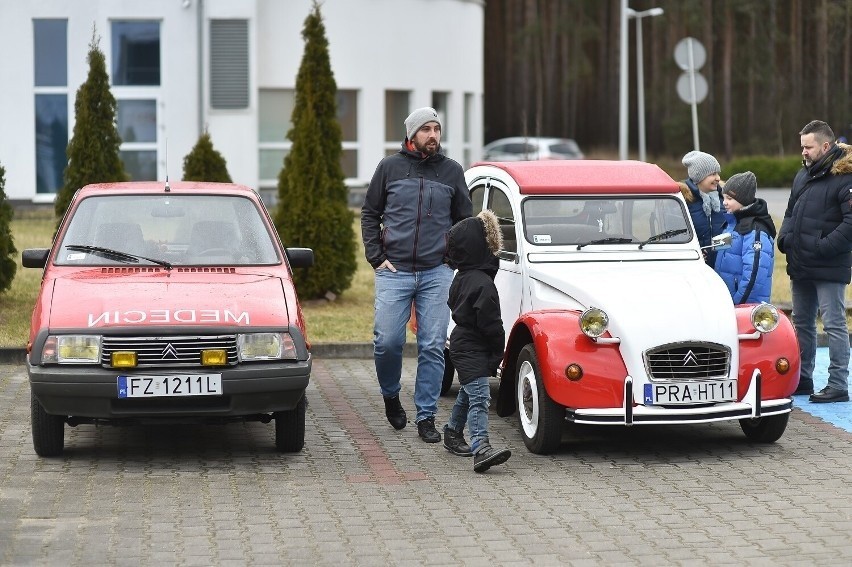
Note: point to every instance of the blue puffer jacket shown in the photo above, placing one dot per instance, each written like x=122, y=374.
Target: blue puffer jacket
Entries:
x=706, y=226
x=746, y=267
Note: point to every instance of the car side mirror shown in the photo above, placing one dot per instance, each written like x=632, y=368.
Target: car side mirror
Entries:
x=719, y=242
x=34, y=257
x=300, y=257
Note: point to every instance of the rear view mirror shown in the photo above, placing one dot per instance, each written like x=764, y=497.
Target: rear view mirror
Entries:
x=300, y=257
x=34, y=257
x=719, y=242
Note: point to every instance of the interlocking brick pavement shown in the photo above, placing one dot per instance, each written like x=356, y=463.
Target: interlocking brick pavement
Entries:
x=362, y=493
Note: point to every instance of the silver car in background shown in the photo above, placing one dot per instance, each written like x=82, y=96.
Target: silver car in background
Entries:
x=522, y=148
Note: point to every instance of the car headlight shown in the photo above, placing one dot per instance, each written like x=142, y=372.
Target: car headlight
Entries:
x=72, y=349
x=594, y=322
x=266, y=346
x=765, y=318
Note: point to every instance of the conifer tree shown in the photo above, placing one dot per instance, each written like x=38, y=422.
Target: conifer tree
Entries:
x=204, y=163
x=8, y=265
x=312, y=207
x=93, y=155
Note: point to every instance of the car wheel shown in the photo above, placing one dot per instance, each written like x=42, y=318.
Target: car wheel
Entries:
x=290, y=428
x=541, y=418
x=449, y=373
x=48, y=430
x=767, y=429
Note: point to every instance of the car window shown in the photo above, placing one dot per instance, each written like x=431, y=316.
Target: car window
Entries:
x=477, y=197
x=565, y=148
x=501, y=206
x=183, y=230
x=570, y=220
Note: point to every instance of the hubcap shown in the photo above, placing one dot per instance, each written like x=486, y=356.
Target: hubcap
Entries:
x=528, y=399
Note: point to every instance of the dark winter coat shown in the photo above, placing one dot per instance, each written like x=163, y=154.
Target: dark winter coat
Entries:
x=816, y=234
x=706, y=225
x=410, y=206
x=477, y=340
x=746, y=267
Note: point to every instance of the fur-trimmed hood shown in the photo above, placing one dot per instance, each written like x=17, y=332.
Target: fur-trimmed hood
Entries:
x=843, y=164
x=474, y=242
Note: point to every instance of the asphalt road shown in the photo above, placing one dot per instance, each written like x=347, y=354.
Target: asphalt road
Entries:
x=361, y=493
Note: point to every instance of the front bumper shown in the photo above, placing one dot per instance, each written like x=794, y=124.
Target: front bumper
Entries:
x=750, y=407
x=247, y=389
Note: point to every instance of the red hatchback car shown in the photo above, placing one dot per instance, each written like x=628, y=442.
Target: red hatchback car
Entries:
x=163, y=304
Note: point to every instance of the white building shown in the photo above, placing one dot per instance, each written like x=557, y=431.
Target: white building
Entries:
x=179, y=66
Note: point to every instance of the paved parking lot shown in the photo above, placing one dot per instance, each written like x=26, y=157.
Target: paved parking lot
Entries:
x=363, y=494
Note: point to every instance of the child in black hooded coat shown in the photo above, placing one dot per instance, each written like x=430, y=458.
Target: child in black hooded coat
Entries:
x=478, y=339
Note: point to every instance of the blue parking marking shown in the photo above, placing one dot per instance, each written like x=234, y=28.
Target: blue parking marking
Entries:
x=838, y=414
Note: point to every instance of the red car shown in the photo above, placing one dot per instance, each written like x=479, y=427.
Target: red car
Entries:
x=167, y=303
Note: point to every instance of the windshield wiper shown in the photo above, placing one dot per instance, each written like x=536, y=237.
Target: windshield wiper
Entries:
x=663, y=236
x=116, y=254
x=609, y=240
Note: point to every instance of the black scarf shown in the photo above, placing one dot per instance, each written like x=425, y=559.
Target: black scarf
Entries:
x=821, y=166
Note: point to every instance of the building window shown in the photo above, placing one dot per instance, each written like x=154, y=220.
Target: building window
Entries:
x=347, y=115
x=50, y=72
x=229, y=64
x=468, y=129
x=441, y=103
x=396, y=111
x=136, y=53
x=137, y=126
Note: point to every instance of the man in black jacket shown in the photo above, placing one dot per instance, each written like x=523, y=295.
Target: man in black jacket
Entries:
x=414, y=198
x=816, y=236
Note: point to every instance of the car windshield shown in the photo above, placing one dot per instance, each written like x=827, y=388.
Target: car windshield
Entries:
x=171, y=230
x=559, y=221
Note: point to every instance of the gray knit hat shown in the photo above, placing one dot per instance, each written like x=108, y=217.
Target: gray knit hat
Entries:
x=741, y=188
x=699, y=165
x=418, y=118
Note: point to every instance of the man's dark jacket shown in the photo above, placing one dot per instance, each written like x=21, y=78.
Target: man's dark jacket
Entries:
x=816, y=233
x=412, y=202
x=477, y=340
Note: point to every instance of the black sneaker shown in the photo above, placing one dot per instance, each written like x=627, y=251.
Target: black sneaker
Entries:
x=454, y=442
x=395, y=413
x=426, y=430
x=487, y=456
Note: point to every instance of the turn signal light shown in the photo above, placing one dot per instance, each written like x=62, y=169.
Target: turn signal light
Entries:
x=215, y=357
x=573, y=372
x=782, y=365
x=123, y=359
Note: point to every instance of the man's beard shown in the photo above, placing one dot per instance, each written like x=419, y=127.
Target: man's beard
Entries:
x=809, y=162
x=424, y=148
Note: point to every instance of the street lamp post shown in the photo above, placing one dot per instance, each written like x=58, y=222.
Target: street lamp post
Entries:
x=640, y=74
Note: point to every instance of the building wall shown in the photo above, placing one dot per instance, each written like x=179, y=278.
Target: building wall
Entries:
x=375, y=45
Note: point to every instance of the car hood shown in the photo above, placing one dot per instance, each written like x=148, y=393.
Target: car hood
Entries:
x=692, y=303
x=94, y=299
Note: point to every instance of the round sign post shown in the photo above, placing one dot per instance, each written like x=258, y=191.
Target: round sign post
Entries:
x=692, y=87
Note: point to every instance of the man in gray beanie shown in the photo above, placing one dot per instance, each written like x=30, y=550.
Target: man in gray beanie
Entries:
x=703, y=198
x=415, y=196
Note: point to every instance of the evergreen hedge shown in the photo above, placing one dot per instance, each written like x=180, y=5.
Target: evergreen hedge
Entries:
x=93, y=155
x=770, y=171
x=8, y=264
x=312, y=209
x=204, y=163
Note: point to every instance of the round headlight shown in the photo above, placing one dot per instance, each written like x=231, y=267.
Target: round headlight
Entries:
x=765, y=318
x=594, y=322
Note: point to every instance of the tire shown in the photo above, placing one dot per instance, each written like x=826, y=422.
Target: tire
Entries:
x=48, y=430
x=767, y=429
x=540, y=418
x=449, y=373
x=290, y=428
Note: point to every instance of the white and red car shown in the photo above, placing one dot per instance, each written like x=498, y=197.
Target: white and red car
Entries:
x=167, y=303
x=612, y=316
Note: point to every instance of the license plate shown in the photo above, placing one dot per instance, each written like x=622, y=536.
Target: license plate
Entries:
x=690, y=392
x=179, y=385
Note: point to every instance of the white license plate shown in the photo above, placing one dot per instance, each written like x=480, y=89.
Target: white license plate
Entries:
x=690, y=392
x=178, y=385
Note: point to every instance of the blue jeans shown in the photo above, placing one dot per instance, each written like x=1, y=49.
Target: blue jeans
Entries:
x=830, y=299
x=395, y=291
x=471, y=407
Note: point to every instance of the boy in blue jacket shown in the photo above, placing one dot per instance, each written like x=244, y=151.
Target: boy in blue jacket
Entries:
x=478, y=339
x=746, y=267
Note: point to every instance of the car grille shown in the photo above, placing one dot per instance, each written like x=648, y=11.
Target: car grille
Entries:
x=688, y=361
x=178, y=351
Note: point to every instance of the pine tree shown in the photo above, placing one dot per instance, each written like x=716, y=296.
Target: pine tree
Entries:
x=93, y=155
x=8, y=265
x=312, y=207
x=204, y=163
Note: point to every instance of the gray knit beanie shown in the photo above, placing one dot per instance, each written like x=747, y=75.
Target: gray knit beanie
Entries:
x=741, y=188
x=418, y=118
x=699, y=165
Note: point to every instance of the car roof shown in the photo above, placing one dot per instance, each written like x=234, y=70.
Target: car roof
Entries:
x=159, y=187
x=551, y=177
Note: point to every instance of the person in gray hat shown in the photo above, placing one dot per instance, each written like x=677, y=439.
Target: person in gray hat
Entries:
x=704, y=198
x=415, y=196
x=816, y=237
x=746, y=267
